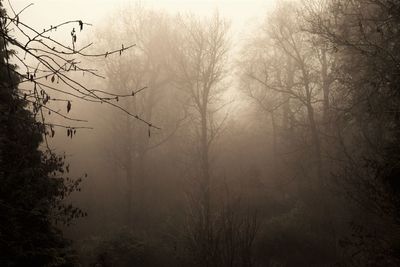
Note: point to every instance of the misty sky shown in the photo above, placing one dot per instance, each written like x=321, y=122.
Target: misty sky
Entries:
x=243, y=14
x=240, y=12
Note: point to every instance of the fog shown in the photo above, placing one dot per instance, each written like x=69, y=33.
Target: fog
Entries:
x=200, y=133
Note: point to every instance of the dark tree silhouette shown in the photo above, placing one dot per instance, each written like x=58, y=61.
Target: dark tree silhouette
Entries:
x=34, y=186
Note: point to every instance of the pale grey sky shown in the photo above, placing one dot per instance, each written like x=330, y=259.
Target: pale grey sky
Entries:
x=49, y=12
x=243, y=14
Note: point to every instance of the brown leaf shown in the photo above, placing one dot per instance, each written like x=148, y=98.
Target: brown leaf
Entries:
x=68, y=106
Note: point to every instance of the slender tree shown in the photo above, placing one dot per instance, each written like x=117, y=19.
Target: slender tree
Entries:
x=201, y=63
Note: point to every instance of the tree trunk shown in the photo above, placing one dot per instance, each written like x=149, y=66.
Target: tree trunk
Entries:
x=314, y=129
x=205, y=168
x=316, y=142
x=325, y=88
x=274, y=139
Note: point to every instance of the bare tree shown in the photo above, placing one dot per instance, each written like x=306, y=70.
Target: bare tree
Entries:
x=147, y=68
x=263, y=67
x=363, y=36
x=201, y=64
x=285, y=77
